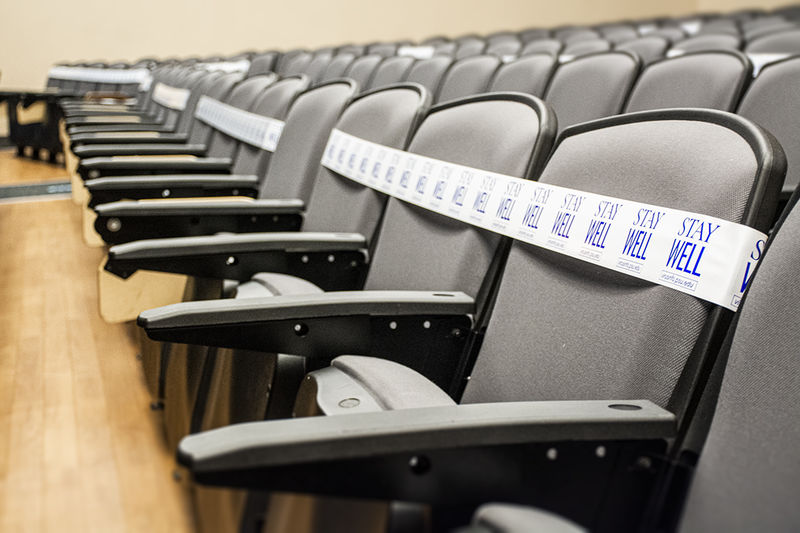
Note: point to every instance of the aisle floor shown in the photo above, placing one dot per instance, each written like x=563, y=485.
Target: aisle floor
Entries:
x=79, y=448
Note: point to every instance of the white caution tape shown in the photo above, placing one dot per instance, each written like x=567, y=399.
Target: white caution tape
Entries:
x=707, y=257
x=417, y=52
x=171, y=97
x=242, y=65
x=256, y=130
x=140, y=76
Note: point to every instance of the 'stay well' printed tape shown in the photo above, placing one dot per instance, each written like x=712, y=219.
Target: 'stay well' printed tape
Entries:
x=707, y=257
x=256, y=130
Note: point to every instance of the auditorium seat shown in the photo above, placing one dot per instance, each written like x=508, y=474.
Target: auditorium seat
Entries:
x=503, y=133
x=591, y=86
x=430, y=72
x=218, y=157
x=363, y=68
x=572, y=35
x=672, y=34
x=467, y=76
x=548, y=407
x=542, y=46
x=387, y=116
x=706, y=43
x=647, y=48
x=391, y=70
x=336, y=67
x=618, y=33
x=469, y=46
x=733, y=487
x=770, y=101
x=187, y=129
x=784, y=42
x=527, y=74
x=533, y=34
x=585, y=46
x=181, y=121
x=713, y=80
x=289, y=178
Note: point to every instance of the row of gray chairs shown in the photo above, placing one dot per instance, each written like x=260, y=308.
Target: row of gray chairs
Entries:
x=601, y=85
x=547, y=368
x=249, y=373
x=403, y=224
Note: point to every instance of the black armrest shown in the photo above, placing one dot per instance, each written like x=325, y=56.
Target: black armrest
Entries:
x=106, y=150
x=427, y=331
x=105, y=128
x=475, y=453
x=121, y=222
x=107, y=190
x=109, y=166
x=100, y=110
x=110, y=119
x=127, y=137
x=333, y=261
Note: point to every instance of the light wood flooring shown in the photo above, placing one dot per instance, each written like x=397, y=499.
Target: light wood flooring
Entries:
x=79, y=448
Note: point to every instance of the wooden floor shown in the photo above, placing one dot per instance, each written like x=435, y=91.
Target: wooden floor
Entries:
x=79, y=448
x=19, y=170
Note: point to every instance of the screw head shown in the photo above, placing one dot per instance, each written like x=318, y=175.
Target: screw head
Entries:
x=114, y=224
x=349, y=403
x=165, y=193
x=419, y=464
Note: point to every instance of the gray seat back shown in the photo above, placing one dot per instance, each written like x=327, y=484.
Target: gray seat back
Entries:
x=391, y=70
x=384, y=116
x=429, y=72
x=507, y=133
x=274, y=102
x=591, y=87
x=717, y=26
x=263, y=63
x=469, y=46
x=355, y=49
x=542, y=46
x=672, y=34
x=575, y=34
x=533, y=34
x=315, y=69
x=295, y=163
x=363, y=68
x=747, y=476
x=771, y=101
x=528, y=74
x=504, y=47
x=772, y=28
x=295, y=63
x=712, y=80
x=337, y=67
x=199, y=83
x=588, y=46
x=785, y=42
x=243, y=96
x=707, y=42
x=648, y=48
x=219, y=89
x=618, y=33
x=383, y=49
x=468, y=76
x=564, y=329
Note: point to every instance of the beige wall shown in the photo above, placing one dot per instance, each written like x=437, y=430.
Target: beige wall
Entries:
x=36, y=33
